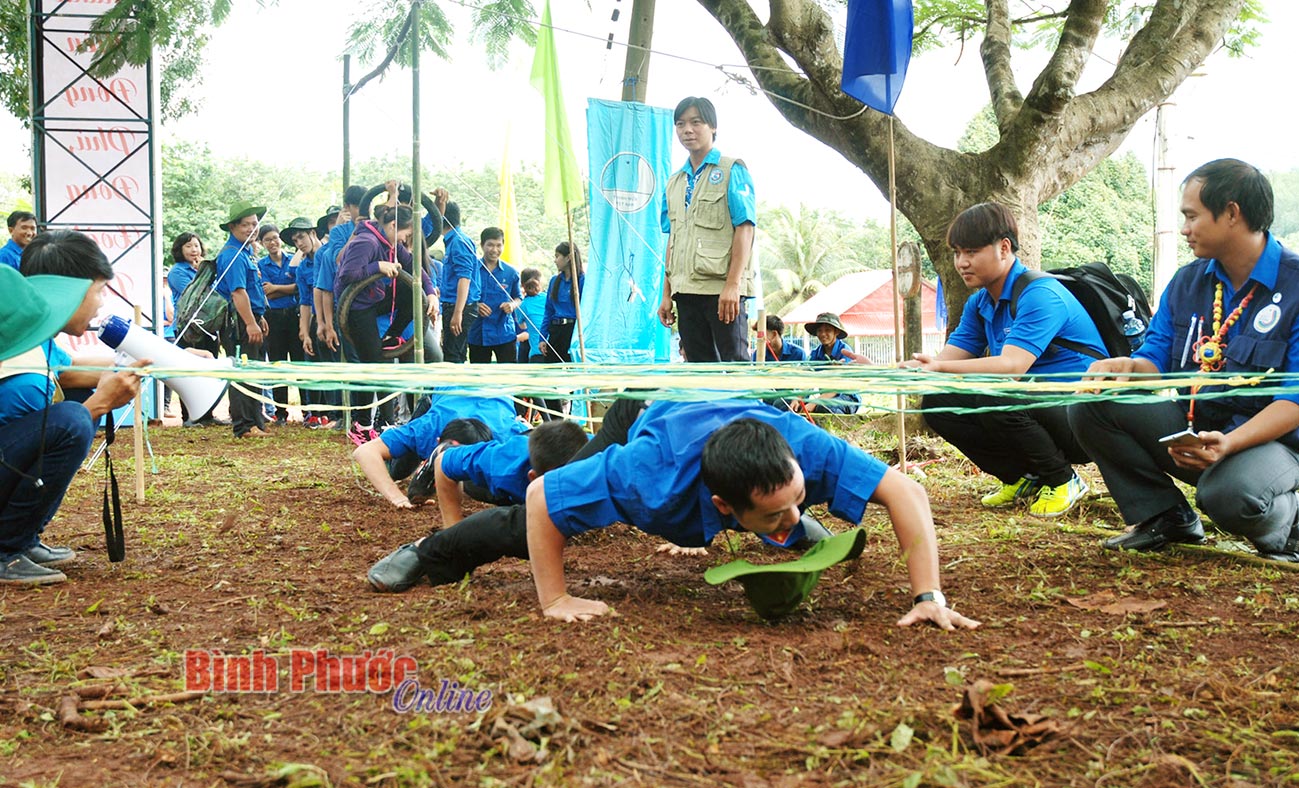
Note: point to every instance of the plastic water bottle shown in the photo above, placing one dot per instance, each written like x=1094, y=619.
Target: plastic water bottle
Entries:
x=1134, y=329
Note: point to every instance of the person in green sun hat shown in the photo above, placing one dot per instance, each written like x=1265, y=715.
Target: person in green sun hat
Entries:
x=44, y=439
x=239, y=283
x=694, y=469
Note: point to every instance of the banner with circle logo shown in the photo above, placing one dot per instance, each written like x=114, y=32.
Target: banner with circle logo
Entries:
x=630, y=147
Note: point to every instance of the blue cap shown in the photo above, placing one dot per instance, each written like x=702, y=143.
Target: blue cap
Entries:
x=114, y=330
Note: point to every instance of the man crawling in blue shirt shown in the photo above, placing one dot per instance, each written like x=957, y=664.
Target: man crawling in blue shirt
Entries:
x=449, y=418
x=689, y=471
x=449, y=554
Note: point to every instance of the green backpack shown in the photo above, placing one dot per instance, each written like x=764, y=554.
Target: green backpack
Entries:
x=201, y=312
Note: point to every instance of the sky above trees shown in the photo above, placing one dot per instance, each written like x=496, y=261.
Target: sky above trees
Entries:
x=263, y=55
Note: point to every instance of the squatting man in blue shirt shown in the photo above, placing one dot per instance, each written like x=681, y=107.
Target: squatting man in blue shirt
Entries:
x=692, y=470
x=1032, y=451
x=1235, y=309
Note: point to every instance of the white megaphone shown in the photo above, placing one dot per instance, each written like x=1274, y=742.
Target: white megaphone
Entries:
x=200, y=395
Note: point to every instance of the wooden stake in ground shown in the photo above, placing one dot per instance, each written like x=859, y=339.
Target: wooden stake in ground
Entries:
x=139, y=434
x=897, y=301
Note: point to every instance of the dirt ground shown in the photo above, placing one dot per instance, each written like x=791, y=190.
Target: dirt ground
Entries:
x=1115, y=670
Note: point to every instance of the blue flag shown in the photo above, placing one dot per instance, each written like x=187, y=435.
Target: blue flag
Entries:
x=876, y=51
x=630, y=148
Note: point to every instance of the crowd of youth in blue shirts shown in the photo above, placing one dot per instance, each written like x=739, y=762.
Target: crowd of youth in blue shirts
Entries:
x=285, y=305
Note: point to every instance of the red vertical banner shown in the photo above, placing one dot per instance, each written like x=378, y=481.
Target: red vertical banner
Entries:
x=92, y=151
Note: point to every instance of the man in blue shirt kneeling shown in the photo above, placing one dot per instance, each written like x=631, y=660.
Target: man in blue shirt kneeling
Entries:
x=1031, y=451
x=1234, y=310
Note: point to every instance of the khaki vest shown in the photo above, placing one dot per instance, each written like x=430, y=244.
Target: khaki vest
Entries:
x=699, y=246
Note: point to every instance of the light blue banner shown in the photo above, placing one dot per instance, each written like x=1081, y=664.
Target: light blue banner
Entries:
x=630, y=148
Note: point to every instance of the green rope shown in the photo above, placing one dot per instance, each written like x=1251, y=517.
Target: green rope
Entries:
x=702, y=382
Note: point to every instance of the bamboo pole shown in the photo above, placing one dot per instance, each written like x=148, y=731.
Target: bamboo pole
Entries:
x=760, y=326
x=138, y=432
x=897, y=299
x=416, y=203
x=574, y=270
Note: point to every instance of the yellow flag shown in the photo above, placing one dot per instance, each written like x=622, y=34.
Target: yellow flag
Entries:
x=506, y=217
x=563, y=180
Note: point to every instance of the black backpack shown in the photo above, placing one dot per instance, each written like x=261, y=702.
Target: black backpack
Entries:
x=201, y=312
x=1104, y=294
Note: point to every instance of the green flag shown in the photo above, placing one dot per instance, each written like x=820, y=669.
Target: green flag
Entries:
x=563, y=179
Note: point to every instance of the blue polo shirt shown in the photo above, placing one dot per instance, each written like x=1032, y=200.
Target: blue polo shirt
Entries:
x=327, y=256
x=11, y=254
x=836, y=352
x=279, y=274
x=236, y=270
x=498, y=287
x=561, y=306
x=30, y=391
x=788, y=352
x=307, y=281
x=653, y=482
x=460, y=261
x=1265, y=322
x=740, y=197
x=1046, y=311
x=533, y=314
x=325, y=268
x=179, y=277
x=500, y=467
x=420, y=436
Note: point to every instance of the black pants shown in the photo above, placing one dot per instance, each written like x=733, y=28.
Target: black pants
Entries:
x=1249, y=493
x=324, y=355
x=363, y=325
x=505, y=353
x=48, y=447
x=283, y=344
x=559, y=347
x=448, y=555
x=245, y=412
x=455, y=348
x=615, y=428
x=1009, y=443
x=704, y=337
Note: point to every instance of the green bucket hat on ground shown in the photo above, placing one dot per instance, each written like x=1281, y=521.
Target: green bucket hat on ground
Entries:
x=240, y=211
x=37, y=308
x=775, y=590
x=830, y=319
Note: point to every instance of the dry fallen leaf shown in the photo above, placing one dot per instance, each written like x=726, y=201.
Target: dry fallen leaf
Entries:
x=1107, y=602
x=997, y=731
x=101, y=672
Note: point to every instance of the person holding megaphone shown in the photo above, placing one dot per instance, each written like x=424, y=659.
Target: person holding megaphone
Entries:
x=43, y=437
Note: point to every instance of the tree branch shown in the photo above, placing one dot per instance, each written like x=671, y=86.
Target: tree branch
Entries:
x=1053, y=88
x=934, y=182
x=1178, y=37
x=1006, y=99
x=392, y=54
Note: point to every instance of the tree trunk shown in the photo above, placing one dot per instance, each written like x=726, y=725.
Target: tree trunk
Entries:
x=1050, y=137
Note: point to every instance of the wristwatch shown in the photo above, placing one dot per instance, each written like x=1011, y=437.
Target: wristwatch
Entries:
x=931, y=596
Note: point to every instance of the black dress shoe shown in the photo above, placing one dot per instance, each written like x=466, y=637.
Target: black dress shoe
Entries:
x=1181, y=525
x=1288, y=554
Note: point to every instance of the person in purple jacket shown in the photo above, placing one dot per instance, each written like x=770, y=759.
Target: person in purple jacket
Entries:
x=379, y=247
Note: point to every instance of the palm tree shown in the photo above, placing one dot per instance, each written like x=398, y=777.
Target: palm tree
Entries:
x=803, y=250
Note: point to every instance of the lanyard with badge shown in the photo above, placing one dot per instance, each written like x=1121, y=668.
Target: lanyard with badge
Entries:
x=1211, y=349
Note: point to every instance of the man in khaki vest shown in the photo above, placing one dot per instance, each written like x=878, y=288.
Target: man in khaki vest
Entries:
x=709, y=213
